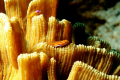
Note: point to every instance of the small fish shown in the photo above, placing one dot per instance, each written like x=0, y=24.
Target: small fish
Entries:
x=32, y=14
x=58, y=44
x=28, y=16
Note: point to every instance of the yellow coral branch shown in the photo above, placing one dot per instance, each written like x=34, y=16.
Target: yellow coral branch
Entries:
x=52, y=70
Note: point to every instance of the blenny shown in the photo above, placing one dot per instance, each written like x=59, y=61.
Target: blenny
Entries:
x=32, y=14
x=58, y=44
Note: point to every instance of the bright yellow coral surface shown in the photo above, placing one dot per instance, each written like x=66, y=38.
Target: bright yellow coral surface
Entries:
x=26, y=55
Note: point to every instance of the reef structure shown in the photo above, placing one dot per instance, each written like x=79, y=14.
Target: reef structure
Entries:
x=111, y=27
x=27, y=55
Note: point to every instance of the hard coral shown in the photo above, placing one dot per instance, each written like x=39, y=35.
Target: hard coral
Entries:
x=97, y=42
x=27, y=55
x=100, y=59
x=81, y=70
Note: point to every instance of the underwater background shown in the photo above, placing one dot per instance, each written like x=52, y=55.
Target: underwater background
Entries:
x=100, y=17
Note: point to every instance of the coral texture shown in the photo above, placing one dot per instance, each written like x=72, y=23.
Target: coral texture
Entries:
x=83, y=71
x=27, y=55
x=98, y=43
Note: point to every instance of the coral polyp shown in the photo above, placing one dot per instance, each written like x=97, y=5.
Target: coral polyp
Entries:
x=79, y=34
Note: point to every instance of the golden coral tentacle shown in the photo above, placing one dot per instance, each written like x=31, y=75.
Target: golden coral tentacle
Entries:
x=52, y=70
x=44, y=60
x=29, y=66
x=67, y=30
x=81, y=70
x=19, y=35
x=38, y=31
x=17, y=8
x=9, y=47
x=55, y=30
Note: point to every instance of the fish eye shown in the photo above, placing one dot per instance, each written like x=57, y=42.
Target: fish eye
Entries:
x=38, y=11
